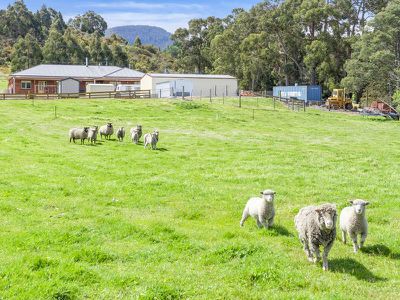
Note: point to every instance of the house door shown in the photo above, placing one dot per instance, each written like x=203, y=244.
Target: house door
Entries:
x=41, y=87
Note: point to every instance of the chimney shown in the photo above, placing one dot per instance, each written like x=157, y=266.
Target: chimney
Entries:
x=87, y=62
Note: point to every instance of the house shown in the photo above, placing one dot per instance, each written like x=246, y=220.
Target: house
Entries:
x=48, y=78
x=197, y=85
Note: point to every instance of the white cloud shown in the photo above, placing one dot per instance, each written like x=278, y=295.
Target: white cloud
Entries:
x=143, y=6
x=168, y=21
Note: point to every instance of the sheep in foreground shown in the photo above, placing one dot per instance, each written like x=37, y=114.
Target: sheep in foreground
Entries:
x=136, y=134
x=107, y=131
x=354, y=222
x=316, y=226
x=121, y=134
x=92, y=135
x=151, y=139
x=78, y=134
x=261, y=209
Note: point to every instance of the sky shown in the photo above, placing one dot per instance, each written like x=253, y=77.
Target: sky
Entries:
x=168, y=14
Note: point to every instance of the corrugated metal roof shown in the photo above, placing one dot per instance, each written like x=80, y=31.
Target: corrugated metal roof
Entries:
x=76, y=71
x=201, y=76
x=125, y=73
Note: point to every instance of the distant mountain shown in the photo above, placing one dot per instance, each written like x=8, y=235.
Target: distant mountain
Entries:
x=149, y=35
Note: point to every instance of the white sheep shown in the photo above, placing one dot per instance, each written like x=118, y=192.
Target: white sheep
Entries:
x=92, y=135
x=78, y=134
x=107, y=131
x=121, y=134
x=151, y=139
x=316, y=226
x=136, y=133
x=354, y=222
x=261, y=209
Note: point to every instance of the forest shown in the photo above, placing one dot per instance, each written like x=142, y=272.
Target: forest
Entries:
x=335, y=43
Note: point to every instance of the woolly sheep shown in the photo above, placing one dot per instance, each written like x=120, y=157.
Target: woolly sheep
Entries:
x=316, y=226
x=151, y=139
x=354, y=222
x=78, y=134
x=121, y=134
x=92, y=135
x=261, y=209
x=107, y=131
x=136, y=134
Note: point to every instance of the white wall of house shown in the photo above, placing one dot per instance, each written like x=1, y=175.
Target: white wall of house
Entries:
x=201, y=86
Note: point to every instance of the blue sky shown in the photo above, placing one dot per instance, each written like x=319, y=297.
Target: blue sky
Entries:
x=168, y=14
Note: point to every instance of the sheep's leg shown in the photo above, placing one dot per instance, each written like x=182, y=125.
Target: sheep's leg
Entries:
x=315, y=250
x=353, y=237
x=307, y=251
x=271, y=222
x=245, y=215
x=327, y=248
x=259, y=224
x=344, y=237
x=263, y=221
x=363, y=237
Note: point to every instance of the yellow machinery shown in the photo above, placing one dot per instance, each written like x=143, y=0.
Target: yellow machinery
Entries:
x=339, y=100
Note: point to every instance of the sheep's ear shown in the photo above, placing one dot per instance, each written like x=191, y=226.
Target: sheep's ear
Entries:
x=351, y=202
x=366, y=203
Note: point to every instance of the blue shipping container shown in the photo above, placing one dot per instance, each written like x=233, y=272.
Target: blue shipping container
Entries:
x=301, y=92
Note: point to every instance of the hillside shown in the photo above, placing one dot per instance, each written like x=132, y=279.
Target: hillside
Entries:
x=148, y=34
x=117, y=221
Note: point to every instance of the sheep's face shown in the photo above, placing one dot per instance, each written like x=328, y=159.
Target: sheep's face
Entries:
x=109, y=125
x=359, y=206
x=327, y=217
x=268, y=195
x=139, y=127
x=86, y=129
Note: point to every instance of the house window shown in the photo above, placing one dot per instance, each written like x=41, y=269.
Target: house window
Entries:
x=25, y=85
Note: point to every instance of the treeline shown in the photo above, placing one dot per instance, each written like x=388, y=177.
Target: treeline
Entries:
x=28, y=39
x=335, y=43
x=351, y=43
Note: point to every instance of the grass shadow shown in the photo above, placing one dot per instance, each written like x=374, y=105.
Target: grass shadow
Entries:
x=354, y=268
x=162, y=149
x=281, y=230
x=380, y=250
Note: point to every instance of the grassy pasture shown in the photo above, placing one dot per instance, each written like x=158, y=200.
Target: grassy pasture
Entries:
x=115, y=221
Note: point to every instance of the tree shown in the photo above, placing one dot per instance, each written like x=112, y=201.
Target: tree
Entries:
x=75, y=52
x=375, y=62
x=55, y=48
x=137, y=42
x=90, y=22
x=26, y=53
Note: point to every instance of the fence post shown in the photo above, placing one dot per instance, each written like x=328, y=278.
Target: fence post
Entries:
x=280, y=96
x=55, y=112
x=274, y=102
x=240, y=99
x=160, y=94
x=304, y=104
x=183, y=93
x=215, y=91
x=293, y=104
x=210, y=96
x=223, y=98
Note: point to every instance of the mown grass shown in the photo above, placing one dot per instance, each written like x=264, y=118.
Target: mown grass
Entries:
x=116, y=221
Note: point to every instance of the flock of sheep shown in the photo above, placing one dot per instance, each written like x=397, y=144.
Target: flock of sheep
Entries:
x=316, y=225
x=91, y=133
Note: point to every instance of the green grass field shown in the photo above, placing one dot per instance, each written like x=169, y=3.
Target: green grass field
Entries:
x=115, y=221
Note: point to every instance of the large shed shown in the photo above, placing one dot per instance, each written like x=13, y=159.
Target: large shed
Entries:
x=197, y=85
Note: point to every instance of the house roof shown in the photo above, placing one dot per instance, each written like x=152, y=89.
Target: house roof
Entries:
x=78, y=71
x=199, y=76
